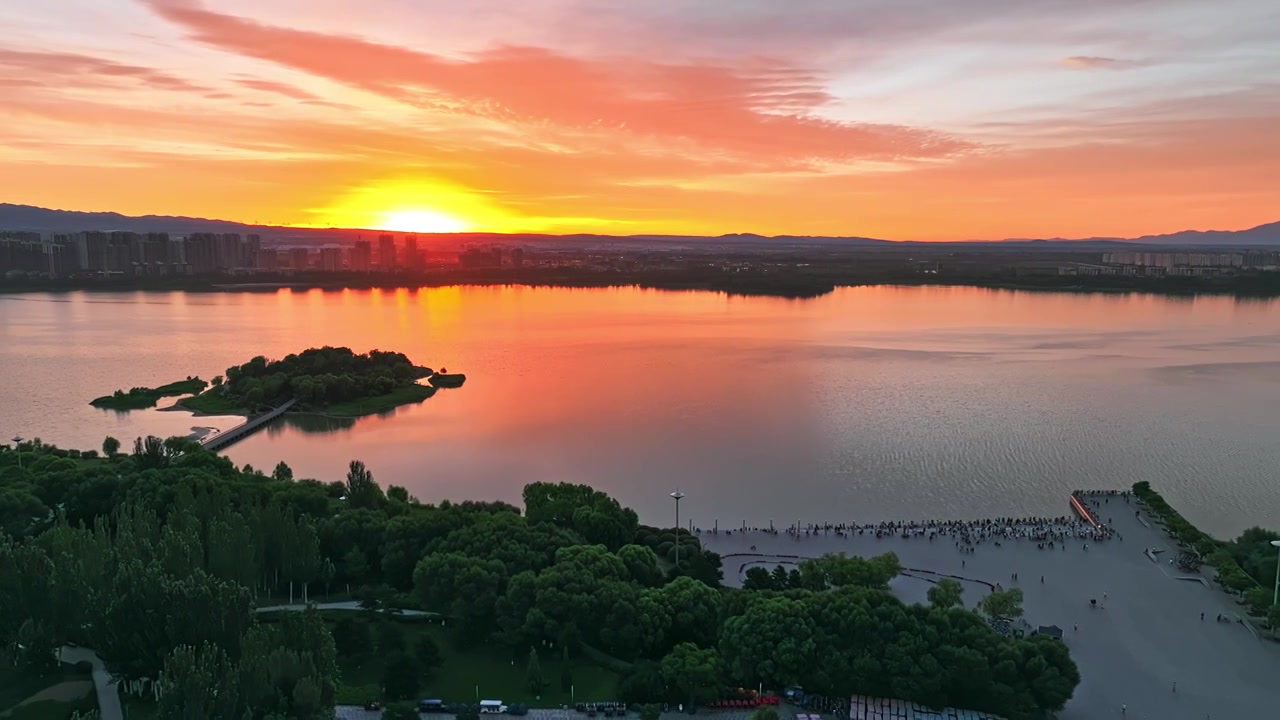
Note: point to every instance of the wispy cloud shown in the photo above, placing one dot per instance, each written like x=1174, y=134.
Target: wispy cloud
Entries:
x=760, y=106
x=1090, y=62
x=61, y=68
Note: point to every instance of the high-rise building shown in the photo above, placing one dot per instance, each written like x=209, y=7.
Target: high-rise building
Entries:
x=331, y=259
x=412, y=259
x=361, y=256
x=517, y=257
x=268, y=260
x=299, y=259
x=249, y=251
x=386, y=253
x=202, y=252
x=226, y=252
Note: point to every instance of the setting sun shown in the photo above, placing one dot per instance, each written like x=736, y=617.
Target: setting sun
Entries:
x=422, y=221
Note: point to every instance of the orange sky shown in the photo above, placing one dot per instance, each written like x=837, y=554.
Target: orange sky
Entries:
x=903, y=119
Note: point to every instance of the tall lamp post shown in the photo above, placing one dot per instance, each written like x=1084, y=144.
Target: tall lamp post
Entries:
x=1275, y=597
x=677, y=495
x=17, y=440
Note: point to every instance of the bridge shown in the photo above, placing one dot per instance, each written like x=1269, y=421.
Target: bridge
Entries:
x=218, y=441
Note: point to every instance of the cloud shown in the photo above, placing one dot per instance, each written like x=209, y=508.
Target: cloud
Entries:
x=60, y=69
x=760, y=107
x=285, y=90
x=1092, y=62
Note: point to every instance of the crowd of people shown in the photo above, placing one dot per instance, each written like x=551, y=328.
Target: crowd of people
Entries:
x=1048, y=533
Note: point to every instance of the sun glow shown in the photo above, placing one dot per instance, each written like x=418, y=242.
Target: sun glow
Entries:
x=422, y=221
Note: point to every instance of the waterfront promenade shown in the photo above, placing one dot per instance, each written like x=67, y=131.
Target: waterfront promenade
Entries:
x=1145, y=635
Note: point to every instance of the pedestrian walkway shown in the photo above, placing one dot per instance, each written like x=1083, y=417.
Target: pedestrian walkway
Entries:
x=107, y=689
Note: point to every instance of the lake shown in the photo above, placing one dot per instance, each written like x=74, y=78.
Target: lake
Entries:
x=866, y=404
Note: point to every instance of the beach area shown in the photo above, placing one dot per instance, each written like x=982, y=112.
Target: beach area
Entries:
x=1142, y=647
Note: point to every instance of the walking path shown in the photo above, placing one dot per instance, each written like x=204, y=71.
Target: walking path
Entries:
x=107, y=689
x=345, y=605
x=1144, y=635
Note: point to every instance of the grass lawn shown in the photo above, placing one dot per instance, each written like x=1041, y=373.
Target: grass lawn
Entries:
x=17, y=684
x=136, y=708
x=139, y=398
x=53, y=710
x=380, y=403
x=211, y=402
x=488, y=666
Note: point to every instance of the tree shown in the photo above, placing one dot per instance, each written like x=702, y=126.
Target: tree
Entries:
x=778, y=577
x=395, y=492
x=282, y=473
x=533, y=673
x=946, y=593
x=199, y=683
x=641, y=563
x=1273, y=618
x=764, y=713
x=110, y=446
x=693, y=672
x=650, y=711
x=1005, y=604
x=643, y=683
x=362, y=491
x=468, y=712
x=773, y=642
x=401, y=678
x=757, y=578
x=427, y=652
x=355, y=565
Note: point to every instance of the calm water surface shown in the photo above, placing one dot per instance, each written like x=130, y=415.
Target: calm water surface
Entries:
x=866, y=404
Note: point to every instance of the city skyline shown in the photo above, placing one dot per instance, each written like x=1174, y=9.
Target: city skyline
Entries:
x=909, y=121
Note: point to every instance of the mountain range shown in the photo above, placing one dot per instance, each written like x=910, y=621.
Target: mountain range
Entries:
x=45, y=220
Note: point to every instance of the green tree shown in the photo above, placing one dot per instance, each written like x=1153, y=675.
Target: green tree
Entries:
x=946, y=593
x=533, y=673
x=401, y=677
x=650, y=711
x=694, y=673
x=1002, y=604
x=282, y=472
x=773, y=642
x=641, y=564
x=757, y=578
x=199, y=683
x=362, y=490
x=778, y=578
x=764, y=713
x=110, y=446
x=462, y=586
x=468, y=712
x=1273, y=618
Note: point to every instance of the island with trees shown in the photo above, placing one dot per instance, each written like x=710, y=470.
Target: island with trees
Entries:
x=140, y=398
x=333, y=381
x=160, y=559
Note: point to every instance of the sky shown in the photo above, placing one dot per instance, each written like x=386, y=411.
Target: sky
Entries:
x=898, y=119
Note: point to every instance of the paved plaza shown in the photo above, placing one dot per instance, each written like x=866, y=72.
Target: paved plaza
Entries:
x=1144, y=637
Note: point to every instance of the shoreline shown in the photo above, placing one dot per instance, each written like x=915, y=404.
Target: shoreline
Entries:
x=807, y=289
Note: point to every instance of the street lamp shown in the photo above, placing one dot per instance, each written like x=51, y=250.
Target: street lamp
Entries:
x=677, y=495
x=1275, y=597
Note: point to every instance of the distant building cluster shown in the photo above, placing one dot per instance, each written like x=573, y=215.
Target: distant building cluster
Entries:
x=1258, y=259
x=130, y=254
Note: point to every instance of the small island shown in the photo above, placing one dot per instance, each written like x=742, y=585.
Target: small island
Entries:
x=140, y=398
x=336, y=382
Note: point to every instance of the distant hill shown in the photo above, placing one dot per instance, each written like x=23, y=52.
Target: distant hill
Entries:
x=27, y=217
x=38, y=219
